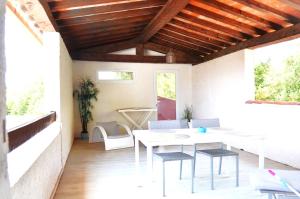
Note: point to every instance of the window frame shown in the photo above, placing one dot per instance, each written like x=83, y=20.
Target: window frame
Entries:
x=115, y=80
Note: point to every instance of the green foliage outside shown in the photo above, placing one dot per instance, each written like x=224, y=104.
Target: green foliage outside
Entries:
x=166, y=85
x=28, y=103
x=278, y=86
x=125, y=75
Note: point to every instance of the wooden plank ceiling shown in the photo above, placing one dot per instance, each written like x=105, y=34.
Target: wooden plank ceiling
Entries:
x=196, y=30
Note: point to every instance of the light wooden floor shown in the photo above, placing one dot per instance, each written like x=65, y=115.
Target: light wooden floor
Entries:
x=91, y=172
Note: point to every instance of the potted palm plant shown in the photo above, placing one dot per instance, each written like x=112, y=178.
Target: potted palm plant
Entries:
x=188, y=114
x=85, y=94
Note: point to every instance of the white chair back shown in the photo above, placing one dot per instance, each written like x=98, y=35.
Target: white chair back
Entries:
x=196, y=123
x=167, y=124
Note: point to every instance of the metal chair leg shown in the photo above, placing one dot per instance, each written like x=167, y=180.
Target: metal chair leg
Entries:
x=270, y=196
x=220, y=165
x=212, y=173
x=221, y=159
x=164, y=186
x=193, y=171
x=237, y=170
x=180, y=175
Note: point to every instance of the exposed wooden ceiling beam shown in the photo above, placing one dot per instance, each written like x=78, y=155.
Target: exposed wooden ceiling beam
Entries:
x=139, y=50
x=185, y=38
x=193, y=35
x=67, y=4
x=221, y=39
x=105, y=30
x=126, y=58
x=268, y=9
x=291, y=3
x=107, y=16
x=240, y=13
x=163, y=49
x=274, y=37
x=166, y=36
x=104, y=40
x=112, y=47
x=170, y=10
x=107, y=24
x=106, y=34
x=196, y=34
x=47, y=9
x=130, y=5
x=214, y=27
x=173, y=45
x=243, y=27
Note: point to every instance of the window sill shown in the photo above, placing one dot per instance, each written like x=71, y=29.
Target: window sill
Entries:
x=21, y=159
x=272, y=102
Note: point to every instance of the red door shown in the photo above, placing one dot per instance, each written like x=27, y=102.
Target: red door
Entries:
x=166, y=95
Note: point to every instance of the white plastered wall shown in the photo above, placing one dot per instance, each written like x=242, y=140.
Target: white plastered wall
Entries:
x=39, y=181
x=138, y=93
x=221, y=88
x=4, y=182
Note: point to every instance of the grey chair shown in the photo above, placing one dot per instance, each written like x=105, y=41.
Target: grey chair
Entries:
x=213, y=122
x=167, y=124
x=176, y=156
x=212, y=153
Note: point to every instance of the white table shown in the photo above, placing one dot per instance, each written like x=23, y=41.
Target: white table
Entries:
x=142, y=120
x=169, y=137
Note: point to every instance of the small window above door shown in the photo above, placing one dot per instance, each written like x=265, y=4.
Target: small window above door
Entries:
x=115, y=75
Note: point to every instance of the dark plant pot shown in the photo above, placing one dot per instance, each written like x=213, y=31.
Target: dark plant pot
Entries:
x=84, y=135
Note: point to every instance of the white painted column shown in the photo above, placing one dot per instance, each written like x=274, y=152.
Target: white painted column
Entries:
x=4, y=181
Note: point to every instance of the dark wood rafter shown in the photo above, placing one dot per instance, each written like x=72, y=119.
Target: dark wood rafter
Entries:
x=106, y=24
x=170, y=10
x=106, y=30
x=68, y=4
x=111, y=47
x=103, y=41
x=195, y=36
x=126, y=58
x=196, y=30
x=188, y=44
x=106, y=34
x=240, y=13
x=107, y=16
x=164, y=50
x=173, y=45
x=166, y=31
x=92, y=10
x=291, y=3
x=139, y=50
x=270, y=10
x=214, y=27
x=180, y=43
x=222, y=39
x=280, y=35
x=242, y=27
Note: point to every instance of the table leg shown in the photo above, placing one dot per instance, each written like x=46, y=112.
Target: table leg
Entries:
x=137, y=161
x=149, y=163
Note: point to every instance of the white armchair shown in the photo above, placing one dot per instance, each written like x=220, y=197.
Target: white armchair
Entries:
x=111, y=134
